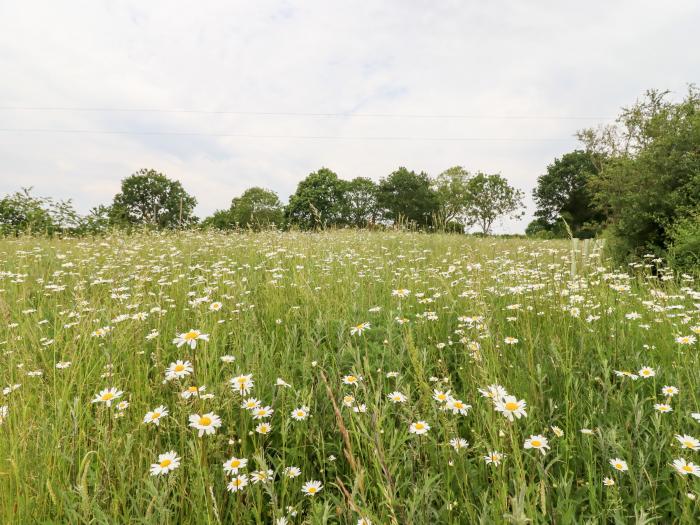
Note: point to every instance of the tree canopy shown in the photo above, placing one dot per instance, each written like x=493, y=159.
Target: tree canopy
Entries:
x=490, y=198
x=318, y=201
x=407, y=197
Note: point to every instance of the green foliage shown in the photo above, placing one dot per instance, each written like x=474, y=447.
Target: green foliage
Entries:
x=649, y=173
x=406, y=197
x=684, y=244
x=149, y=198
x=451, y=188
x=563, y=192
x=490, y=198
x=219, y=220
x=318, y=201
x=257, y=208
x=22, y=212
x=360, y=197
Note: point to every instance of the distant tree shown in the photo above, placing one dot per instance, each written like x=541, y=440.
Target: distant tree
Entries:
x=451, y=190
x=562, y=193
x=407, y=196
x=219, y=220
x=257, y=207
x=22, y=212
x=318, y=201
x=150, y=198
x=97, y=220
x=360, y=198
x=491, y=198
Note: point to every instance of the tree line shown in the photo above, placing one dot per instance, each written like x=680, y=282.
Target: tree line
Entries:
x=453, y=201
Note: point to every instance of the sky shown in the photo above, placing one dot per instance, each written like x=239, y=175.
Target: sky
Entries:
x=224, y=95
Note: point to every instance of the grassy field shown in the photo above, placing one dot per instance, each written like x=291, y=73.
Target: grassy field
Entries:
x=380, y=365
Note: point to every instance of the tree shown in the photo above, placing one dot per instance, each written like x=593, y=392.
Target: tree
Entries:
x=491, y=198
x=22, y=212
x=150, y=198
x=318, y=201
x=360, y=198
x=451, y=190
x=219, y=220
x=649, y=174
x=257, y=207
x=407, y=196
x=562, y=193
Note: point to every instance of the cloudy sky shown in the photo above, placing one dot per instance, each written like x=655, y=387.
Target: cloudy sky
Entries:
x=223, y=95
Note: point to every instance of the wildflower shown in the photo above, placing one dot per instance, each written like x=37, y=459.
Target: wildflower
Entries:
x=292, y=472
x=419, y=428
x=352, y=380
x=108, y=395
x=493, y=458
x=348, y=401
x=4, y=411
x=123, y=405
x=227, y=358
x=509, y=406
x=510, y=341
x=311, y=488
x=493, y=392
x=686, y=339
x=684, y=468
x=301, y=413
x=250, y=404
x=397, y=397
x=537, y=442
x=237, y=483
x=215, y=306
x=457, y=406
x=262, y=412
x=242, y=384
x=360, y=408
x=282, y=382
x=608, y=482
x=458, y=443
x=619, y=465
x=442, y=397
x=687, y=441
x=401, y=293
x=166, y=463
x=557, y=431
x=669, y=391
x=234, y=464
x=261, y=476
x=178, y=369
x=364, y=521
x=63, y=365
x=663, y=407
x=646, y=372
x=206, y=424
x=263, y=428
x=190, y=338
x=358, y=329
x=695, y=416
x=192, y=391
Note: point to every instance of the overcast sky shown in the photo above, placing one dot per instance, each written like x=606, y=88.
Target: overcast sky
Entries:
x=234, y=94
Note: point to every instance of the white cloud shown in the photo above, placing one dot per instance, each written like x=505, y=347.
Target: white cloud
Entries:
x=403, y=57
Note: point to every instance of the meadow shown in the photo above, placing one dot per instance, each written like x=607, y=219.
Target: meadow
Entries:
x=344, y=377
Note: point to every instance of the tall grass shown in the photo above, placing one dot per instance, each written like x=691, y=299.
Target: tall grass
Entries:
x=289, y=304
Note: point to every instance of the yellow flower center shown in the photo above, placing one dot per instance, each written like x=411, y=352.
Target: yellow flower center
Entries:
x=107, y=396
x=155, y=415
x=688, y=444
x=205, y=421
x=618, y=466
x=165, y=462
x=192, y=389
x=351, y=379
x=536, y=443
x=235, y=463
x=191, y=335
x=179, y=368
x=687, y=468
x=420, y=426
x=312, y=490
x=511, y=405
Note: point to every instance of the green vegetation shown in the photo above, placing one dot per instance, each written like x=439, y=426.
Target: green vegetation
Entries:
x=373, y=356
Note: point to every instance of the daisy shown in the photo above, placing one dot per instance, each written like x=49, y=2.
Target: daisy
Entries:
x=619, y=465
x=263, y=428
x=358, y=329
x=166, y=462
x=686, y=339
x=509, y=406
x=646, y=372
x=178, y=369
x=192, y=391
x=684, y=468
x=108, y=395
x=458, y=443
x=352, y=380
x=419, y=428
x=457, y=406
x=301, y=413
x=695, y=416
x=493, y=458
x=237, y=483
x=401, y=293
x=215, y=306
x=311, y=488
x=206, y=424
x=510, y=341
x=232, y=466
x=250, y=403
x=537, y=442
x=608, y=482
x=4, y=410
x=663, y=407
x=669, y=391
x=242, y=384
x=687, y=441
x=262, y=412
x=493, y=392
x=557, y=431
x=262, y=476
x=190, y=338
x=227, y=358
x=292, y=472
x=397, y=397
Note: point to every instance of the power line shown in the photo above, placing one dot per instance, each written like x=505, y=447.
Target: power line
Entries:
x=307, y=114
x=299, y=137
